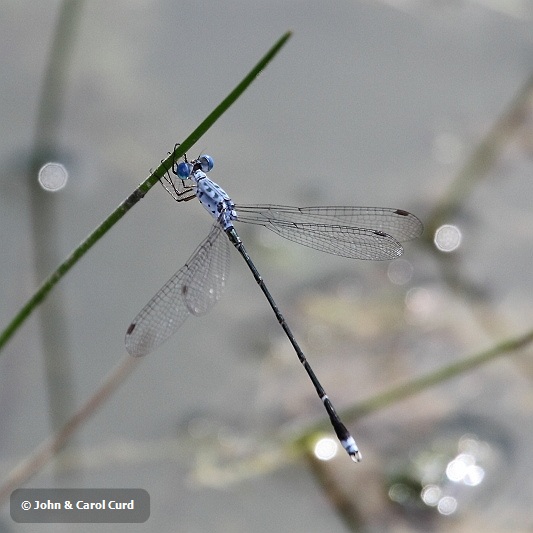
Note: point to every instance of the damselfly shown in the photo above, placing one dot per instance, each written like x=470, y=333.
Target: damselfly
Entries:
x=355, y=232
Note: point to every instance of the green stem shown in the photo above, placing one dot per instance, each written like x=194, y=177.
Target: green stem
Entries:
x=414, y=386
x=129, y=202
x=291, y=447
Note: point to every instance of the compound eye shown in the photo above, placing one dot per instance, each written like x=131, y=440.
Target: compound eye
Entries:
x=184, y=170
x=206, y=162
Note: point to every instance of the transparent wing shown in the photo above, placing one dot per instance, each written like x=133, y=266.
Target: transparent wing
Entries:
x=400, y=224
x=356, y=232
x=355, y=243
x=194, y=289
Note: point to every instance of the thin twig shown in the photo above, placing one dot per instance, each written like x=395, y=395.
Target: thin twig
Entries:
x=51, y=446
x=482, y=159
x=129, y=202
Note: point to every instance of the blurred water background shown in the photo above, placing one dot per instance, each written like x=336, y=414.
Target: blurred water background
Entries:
x=369, y=103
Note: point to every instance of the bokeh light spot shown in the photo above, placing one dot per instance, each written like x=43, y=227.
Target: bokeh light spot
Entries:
x=325, y=449
x=448, y=238
x=53, y=176
x=447, y=505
